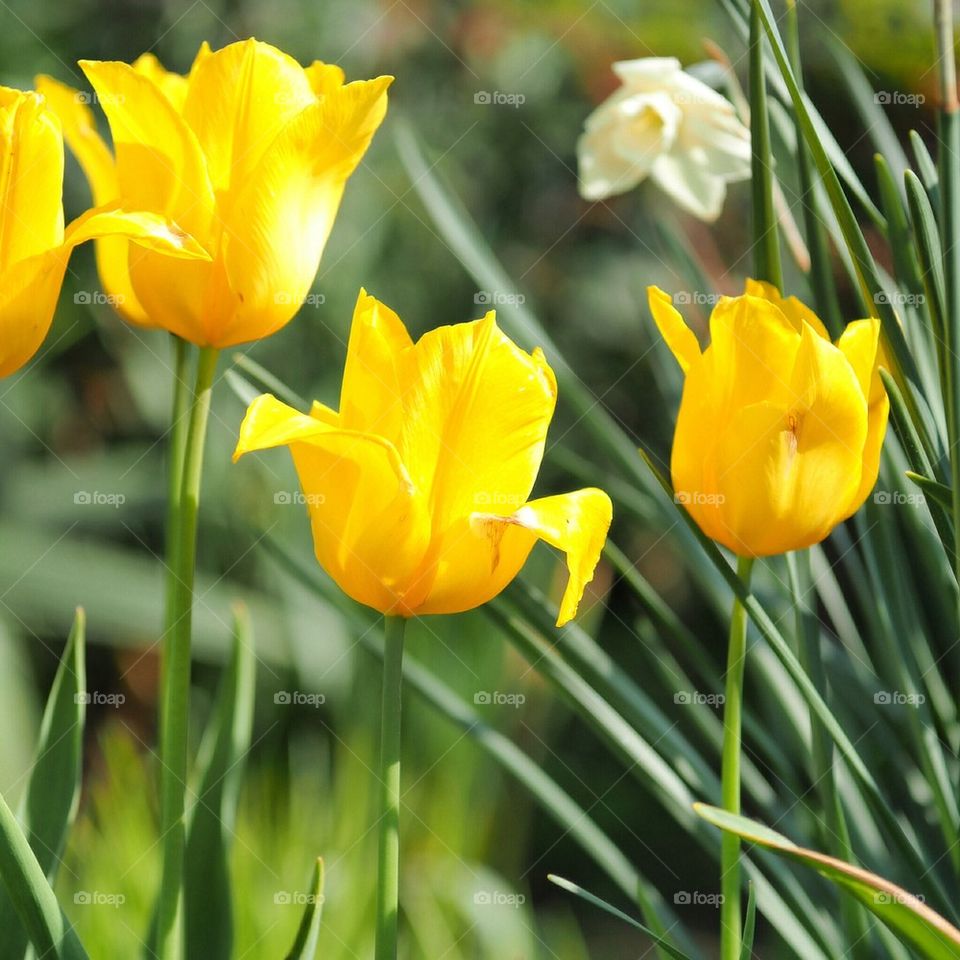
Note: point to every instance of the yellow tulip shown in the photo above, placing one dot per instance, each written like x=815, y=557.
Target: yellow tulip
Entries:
x=249, y=154
x=418, y=487
x=34, y=246
x=779, y=432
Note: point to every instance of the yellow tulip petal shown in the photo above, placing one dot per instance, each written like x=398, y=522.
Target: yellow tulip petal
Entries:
x=371, y=398
x=793, y=309
x=676, y=334
x=149, y=230
x=324, y=77
x=370, y=529
x=753, y=345
x=791, y=468
x=277, y=227
x=31, y=178
x=160, y=167
x=96, y=161
x=476, y=413
x=28, y=296
x=172, y=85
x=483, y=554
x=239, y=98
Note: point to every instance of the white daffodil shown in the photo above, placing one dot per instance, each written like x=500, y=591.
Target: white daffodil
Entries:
x=665, y=124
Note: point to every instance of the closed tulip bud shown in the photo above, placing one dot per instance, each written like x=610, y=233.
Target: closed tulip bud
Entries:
x=779, y=432
x=249, y=154
x=34, y=245
x=418, y=486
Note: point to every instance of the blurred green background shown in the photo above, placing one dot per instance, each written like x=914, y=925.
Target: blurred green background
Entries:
x=86, y=422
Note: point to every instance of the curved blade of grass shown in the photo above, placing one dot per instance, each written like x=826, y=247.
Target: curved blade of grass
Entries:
x=270, y=382
x=938, y=491
x=208, y=905
x=892, y=197
x=750, y=923
x=305, y=945
x=906, y=914
x=595, y=901
x=50, y=801
x=867, y=784
x=33, y=898
x=926, y=167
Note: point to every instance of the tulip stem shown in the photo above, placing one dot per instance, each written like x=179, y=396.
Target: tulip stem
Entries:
x=174, y=705
x=388, y=878
x=731, y=930
x=176, y=452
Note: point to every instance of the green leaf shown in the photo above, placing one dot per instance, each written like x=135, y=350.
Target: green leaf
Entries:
x=305, y=945
x=904, y=913
x=663, y=945
x=50, y=801
x=749, y=924
x=207, y=898
x=32, y=896
x=926, y=166
x=938, y=491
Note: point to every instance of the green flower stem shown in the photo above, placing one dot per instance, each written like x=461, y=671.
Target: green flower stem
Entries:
x=174, y=704
x=388, y=875
x=731, y=927
x=177, y=449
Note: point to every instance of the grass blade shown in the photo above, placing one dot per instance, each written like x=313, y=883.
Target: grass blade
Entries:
x=305, y=945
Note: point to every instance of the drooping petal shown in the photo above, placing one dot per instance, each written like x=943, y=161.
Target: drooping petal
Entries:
x=688, y=179
x=31, y=177
x=476, y=412
x=160, y=167
x=681, y=340
x=148, y=230
x=370, y=527
x=792, y=308
x=484, y=553
x=275, y=231
x=239, y=98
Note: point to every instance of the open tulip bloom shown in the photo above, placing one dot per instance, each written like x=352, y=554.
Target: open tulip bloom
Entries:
x=34, y=246
x=249, y=154
x=418, y=490
x=664, y=124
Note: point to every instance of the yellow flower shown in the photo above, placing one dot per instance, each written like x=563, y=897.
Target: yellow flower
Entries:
x=249, y=154
x=34, y=246
x=417, y=488
x=779, y=432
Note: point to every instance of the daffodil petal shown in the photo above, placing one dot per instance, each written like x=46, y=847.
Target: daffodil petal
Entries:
x=277, y=227
x=681, y=340
x=688, y=180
